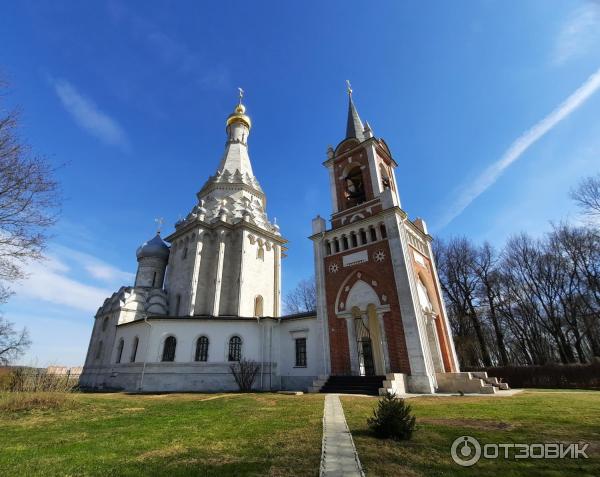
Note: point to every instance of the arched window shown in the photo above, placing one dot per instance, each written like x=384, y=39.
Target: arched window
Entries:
x=383, y=231
x=328, y=248
x=99, y=350
x=201, y=349
x=154, y=280
x=258, y=306
x=120, y=350
x=355, y=191
x=353, y=239
x=336, y=245
x=184, y=253
x=260, y=254
x=105, y=324
x=169, y=349
x=134, y=347
x=235, y=348
x=363, y=236
x=385, y=177
x=373, y=234
x=344, y=242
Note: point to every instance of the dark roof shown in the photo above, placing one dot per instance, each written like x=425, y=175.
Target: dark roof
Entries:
x=153, y=248
x=354, y=126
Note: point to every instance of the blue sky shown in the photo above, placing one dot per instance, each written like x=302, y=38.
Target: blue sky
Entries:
x=490, y=109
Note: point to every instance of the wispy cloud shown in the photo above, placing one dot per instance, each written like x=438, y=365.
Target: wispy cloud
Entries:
x=48, y=283
x=97, y=268
x=485, y=180
x=579, y=33
x=60, y=280
x=89, y=117
x=174, y=53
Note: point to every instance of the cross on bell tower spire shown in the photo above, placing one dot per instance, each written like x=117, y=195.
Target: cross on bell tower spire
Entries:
x=354, y=126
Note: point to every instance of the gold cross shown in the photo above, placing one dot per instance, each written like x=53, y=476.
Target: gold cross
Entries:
x=241, y=94
x=159, y=221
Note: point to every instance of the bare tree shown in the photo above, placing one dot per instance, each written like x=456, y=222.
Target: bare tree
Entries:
x=303, y=298
x=29, y=200
x=12, y=343
x=587, y=195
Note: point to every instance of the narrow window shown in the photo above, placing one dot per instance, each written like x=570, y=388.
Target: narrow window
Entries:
x=202, y=349
x=354, y=239
x=184, y=253
x=336, y=245
x=134, y=348
x=363, y=236
x=154, y=280
x=301, y=352
x=344, y=243
x=260, y=254
x=105, y=324
x=235, y=348
x=99, y=350
x=373, y=234
x=383, y=231
x=328, y=248
x=169, y=349
x=177, y=305
x=120, y=350
x=258, y=306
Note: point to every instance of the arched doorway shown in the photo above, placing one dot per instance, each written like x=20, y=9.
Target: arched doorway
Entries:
x=366, y=335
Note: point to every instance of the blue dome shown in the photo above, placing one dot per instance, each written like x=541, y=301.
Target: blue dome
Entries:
x=156, y=247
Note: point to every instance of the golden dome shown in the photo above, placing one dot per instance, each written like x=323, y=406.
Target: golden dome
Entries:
x=238, y=116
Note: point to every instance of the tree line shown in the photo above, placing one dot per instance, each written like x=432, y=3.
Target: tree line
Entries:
x=532, y=302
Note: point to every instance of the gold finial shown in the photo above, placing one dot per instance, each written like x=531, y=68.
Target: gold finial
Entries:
x=238, y=114
x=159, y=221
x=348, y=87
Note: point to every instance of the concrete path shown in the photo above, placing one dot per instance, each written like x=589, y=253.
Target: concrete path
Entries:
x=338, y=455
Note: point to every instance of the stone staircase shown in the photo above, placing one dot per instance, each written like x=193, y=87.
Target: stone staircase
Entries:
x=369, y=385
x=469, y=383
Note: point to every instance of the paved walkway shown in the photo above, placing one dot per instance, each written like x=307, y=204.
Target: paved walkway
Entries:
x=338, y=455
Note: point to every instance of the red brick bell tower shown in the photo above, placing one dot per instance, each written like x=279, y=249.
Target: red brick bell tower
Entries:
x=378, y=294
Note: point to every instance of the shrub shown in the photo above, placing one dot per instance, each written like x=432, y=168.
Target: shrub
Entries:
x=244, y=373
x=39, y=401
x=392, y=419
x=38, y=380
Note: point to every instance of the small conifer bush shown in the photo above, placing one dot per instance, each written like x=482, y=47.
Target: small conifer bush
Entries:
x=392, y=419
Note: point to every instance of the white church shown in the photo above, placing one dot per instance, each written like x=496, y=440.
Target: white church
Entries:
x=209, y=294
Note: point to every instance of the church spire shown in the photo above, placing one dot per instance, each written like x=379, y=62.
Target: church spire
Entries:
x=354, y=126
x=236, y=156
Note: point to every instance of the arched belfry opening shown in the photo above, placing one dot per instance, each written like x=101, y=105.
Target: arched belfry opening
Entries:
x=354, y=187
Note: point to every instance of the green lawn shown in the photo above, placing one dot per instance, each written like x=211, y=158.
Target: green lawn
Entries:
x=529, y=417
x=177, y=434
x=272, y=434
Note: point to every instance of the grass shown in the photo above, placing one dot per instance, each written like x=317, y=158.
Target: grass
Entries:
x=277, y=435
x=174, y=434
x=529, y=417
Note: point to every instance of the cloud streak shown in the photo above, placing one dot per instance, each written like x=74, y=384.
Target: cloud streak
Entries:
x=519, y=146
x=579, y=34
x=89, y=117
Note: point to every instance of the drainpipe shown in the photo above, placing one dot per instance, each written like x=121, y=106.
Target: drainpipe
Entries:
x=262, y=352
x=146, y=354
